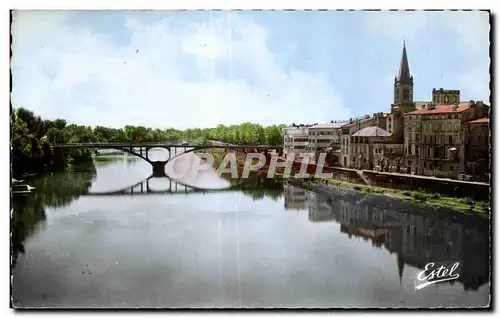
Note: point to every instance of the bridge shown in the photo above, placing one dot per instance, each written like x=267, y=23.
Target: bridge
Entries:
x=141, y=150
x=175, y=187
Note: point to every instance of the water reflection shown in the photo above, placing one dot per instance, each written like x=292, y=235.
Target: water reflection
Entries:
x=55, y=191
x=59, y=190
x=417, y=236
x=210, y=250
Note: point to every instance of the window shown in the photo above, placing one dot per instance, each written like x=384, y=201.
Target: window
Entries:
x=449, y=126
x=406, y=94
x=450, y=141
x=409, y=162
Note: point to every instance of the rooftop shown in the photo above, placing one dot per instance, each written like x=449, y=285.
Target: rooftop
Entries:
x=484, y=120
x=440, y=109
x=356, y=122
x=372, y=131
x=328, y=125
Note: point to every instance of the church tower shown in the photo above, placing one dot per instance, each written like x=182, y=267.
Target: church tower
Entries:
x=403, y=86
x=403, y=96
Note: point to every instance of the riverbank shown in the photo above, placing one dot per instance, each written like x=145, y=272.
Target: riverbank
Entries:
x=420, y=196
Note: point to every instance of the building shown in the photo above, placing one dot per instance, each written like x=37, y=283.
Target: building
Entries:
x=388, y=155
x=442, y=137
x=432, y=133
x=322, y=136
x=346, y=132
x=477, y=148
x=435, y=138
x=363, y=146
x=403, y=99
x=295, y=140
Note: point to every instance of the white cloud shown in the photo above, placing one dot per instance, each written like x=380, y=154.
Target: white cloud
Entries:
x=472, y=35
x=67, y=71
x=396, y=24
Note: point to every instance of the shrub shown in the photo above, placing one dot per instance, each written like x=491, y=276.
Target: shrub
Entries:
x=420, y=196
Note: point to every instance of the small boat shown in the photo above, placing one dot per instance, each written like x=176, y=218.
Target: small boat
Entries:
x=21, y=189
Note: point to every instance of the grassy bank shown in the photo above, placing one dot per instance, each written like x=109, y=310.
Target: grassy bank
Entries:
x=418, y=196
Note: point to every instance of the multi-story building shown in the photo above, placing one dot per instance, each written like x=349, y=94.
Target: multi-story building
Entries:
x=295, y=140
x=321, y=136
x=346, y=132
x=363, y=146
x=477, y=148
x=388, y=155
x=441, y=137
x=435, y=138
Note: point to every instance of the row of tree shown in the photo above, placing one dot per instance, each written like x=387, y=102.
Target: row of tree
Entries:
x=33, y=139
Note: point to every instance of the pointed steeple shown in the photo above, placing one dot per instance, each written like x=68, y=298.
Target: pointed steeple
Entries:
x=404, y=69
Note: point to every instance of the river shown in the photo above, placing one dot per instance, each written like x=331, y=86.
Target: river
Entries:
x=270, y=245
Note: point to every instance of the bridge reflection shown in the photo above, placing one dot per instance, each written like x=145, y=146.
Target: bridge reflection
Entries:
x=171, y=187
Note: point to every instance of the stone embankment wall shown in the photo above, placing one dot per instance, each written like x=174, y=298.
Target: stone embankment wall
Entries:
x=453, y=188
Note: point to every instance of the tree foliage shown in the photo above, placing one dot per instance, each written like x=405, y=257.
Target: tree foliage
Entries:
x=33, y=139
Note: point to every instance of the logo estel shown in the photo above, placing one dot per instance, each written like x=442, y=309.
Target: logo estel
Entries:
x=432, y=274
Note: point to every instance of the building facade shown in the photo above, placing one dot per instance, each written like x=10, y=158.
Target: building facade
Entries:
x=295, y=140
x=346, y=132
x=477, y=149
x=322, y=136
x=435, y=138
x=442, y=137
x=364, y=146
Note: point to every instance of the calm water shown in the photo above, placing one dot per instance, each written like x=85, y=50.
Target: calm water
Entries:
x=267, y=246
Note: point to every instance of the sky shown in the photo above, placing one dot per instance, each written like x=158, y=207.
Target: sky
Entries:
x=185, y=69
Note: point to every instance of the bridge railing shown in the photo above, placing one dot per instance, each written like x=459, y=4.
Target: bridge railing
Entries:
x=170, y=144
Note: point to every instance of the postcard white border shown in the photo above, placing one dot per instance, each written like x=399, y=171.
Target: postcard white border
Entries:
x=184, y=4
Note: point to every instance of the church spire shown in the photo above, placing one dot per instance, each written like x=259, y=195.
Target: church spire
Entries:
x=404, y=69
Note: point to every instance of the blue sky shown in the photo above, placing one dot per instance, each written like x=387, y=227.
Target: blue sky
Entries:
x=199, y=69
